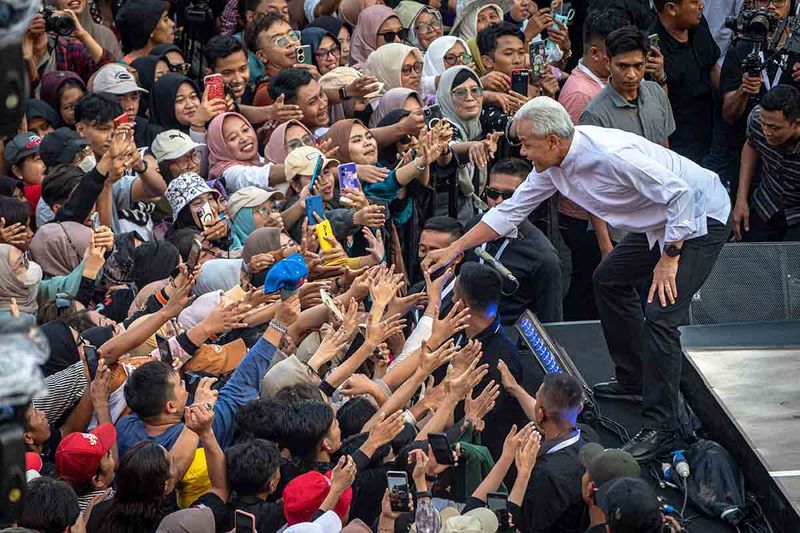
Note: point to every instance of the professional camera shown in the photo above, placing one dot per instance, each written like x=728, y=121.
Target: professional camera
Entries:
x=753, y=24
x=60, y=24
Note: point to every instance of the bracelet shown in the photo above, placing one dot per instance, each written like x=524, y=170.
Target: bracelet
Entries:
x=419, y=168
x=146, y=166
x=277, y=326
x=423, y=494
x=343, y=93
x=430, y=478
x=662, y=81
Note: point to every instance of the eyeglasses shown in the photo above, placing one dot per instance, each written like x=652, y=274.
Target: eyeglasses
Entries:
x=452, y=60
x=494, y=194
x=180, y=68
x=323, y=53
x=285, y=40
x=185, y=160
x=24, y=261
x=305, y=140
x=765, y=3
x=425, y=28
x=390, y=36
x=416, y=67
x=461, y=94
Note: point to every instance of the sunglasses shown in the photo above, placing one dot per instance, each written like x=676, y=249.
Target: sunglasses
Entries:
x=494, y=194
x=407, y=69
x=452, y=60
x=305, y=140
x=285, y=40
x=180, y=68
x=461, y=94
x=425, y=28
x=766, y=3
x=390, y=36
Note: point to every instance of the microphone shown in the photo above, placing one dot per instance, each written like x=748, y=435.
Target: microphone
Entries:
x=498, y=266
x=680, y=464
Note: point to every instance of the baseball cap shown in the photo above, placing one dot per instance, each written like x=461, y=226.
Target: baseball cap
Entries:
x=115, y=79
x=33, y=465
x=61, y=146
x=327, y=523
x=286, y=275
x=250, y=197
x=605, y=464
x=303, y=495
x=301, y=162
x=172, y=144
x=479, y=520
x=78, y=454
x=630, y=505
x=21, y=146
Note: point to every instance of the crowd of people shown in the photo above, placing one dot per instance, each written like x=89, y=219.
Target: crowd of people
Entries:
x=257, y=268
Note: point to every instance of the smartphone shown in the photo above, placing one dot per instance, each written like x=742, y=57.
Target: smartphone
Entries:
x=194, y=255
x=96, y=221
x=442, y=450
x=431, y=115
x=655, y=41
x=303, y=54
x=163, y=349
x=498, y=502
x=324, y=231
x=314, y=204
x=538, y=55
x=317, y=172
x=205, y=215
x=520, y=79
x=122, y=119
x=398, y=490
x=215, y=86
x=245, y=522
x=90, y=353
x=327, y=299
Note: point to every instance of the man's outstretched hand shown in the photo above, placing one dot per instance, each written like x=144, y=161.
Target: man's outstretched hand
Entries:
x=438, y=259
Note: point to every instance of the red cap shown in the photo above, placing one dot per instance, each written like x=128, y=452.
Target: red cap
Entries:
x=303, y=495
x=78, y=455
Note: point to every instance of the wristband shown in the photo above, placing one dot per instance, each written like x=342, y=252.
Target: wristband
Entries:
x=343, y=93
x=423, y=494
x=146, y=166
x=430, y=478
x=277, y=326
x=662, y=81
x=419, y=168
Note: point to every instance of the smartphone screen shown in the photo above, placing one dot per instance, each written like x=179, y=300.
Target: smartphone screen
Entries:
x=215, y=86
x=245, y=522
x=538, y=59
x=347, y=176
x=163, y=349
x=441, y=448
x=96, y=221
x=520, y=80
x=194, y=255
x=398, y=490
x=205, y=215
x=498, y=502
x=90, y=352
x=655, y=40
x=314, y=204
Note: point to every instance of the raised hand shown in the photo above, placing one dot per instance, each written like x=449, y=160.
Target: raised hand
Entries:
x=371, y=173
x=281, y=112
x=343, y=475
x=386, y=429
x=463, y=358
x=204, y=395
x=433, y=359
x=198, y=418
x=453, y=323
x=16, y=234
x=375, y=245
x=476, y=409
x=458, y=387
x=380, y=330
x=371, y=216
x=225, y=317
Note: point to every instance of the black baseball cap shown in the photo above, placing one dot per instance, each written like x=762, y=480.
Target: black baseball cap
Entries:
x=61, y=146
x=630, y=505
x=21, y=146
x=606, y=464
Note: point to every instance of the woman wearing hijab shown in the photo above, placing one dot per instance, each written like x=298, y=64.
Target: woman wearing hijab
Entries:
x=460, y=96
x=337, y=28
x=423, y=24
x=474, y=16
x=350, y=10
x=393, y=100
x=252, y=208
x=395, y=65
x=154, y=261
x=59, y=247
x=62, y=89
x=324, y=46
x=150, y=69
x=288, y=136
x=175, y=102
x=377, y=26
x=233, y=155
x=443, y=53
x=218, y=275
x=103, y=35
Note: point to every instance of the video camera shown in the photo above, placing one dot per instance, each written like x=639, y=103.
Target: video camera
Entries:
x=753, y=24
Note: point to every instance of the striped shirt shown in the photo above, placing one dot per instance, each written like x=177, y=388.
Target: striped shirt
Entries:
x=778, y=185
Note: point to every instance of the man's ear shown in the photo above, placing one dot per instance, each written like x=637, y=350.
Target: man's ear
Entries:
x=171, y=408
x=96, y=482
x=488, y=61
x=80, y=127
x=458, y=258
x=28, y=438
x=16, y=171
x=325, y=445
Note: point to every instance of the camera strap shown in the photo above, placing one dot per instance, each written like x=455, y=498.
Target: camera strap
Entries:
x=765, y=75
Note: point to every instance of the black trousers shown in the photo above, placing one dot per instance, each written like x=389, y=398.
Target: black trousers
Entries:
x=645, y=346
x=579, y=302
x=773, y=230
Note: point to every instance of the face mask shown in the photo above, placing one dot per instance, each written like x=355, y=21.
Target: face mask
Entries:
x=33, y=275
x=87, y=163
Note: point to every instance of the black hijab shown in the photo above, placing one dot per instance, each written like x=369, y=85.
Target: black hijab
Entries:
x=154, y=260
x=162, y=100
x=8, y=185
x=146, y=67
x=388, y=154
x=331, y=24
x=63, y=350
x=98, y=335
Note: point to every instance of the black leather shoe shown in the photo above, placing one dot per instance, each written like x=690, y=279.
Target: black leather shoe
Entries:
x=614, y=390
x=650, y=443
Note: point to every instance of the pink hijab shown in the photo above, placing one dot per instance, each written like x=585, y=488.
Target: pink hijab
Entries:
x=276, y=147
x=365, y=36
x=220, y=157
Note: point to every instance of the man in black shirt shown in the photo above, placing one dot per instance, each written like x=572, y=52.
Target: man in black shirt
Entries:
x=546, y=496
x=690, y=58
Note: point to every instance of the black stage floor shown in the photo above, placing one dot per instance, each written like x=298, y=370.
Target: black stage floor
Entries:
x=585, y=344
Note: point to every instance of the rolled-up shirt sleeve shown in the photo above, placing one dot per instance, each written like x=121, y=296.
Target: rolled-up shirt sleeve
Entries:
x=661, y=186
x=505, y=218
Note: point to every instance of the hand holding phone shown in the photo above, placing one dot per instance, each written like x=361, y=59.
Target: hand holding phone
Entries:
x=206, y=215
x=520, y=79
x=194, y=256
x=498, y=502
x=96, y=221
x=399, y=495
x=245, y=522
x=314, y=204
x=164, y=350
x=215, y=87
x=303, y=54
x=442, y=450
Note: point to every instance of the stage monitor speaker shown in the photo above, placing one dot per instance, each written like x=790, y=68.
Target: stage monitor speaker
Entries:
x=750, y=282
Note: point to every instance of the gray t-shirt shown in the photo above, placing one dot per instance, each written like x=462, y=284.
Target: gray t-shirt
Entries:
x=649, y=117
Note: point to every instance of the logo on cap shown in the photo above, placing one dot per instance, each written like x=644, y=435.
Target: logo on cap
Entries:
x=33, y=140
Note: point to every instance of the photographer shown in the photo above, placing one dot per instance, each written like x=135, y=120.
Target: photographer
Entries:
x=740, y=89
x=56, y=40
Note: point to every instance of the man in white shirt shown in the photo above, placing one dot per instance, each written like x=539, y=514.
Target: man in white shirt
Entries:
x=677, y=214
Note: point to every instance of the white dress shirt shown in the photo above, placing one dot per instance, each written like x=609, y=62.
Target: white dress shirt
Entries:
x=629, y=182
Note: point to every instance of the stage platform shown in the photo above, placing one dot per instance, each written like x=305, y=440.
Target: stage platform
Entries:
x=741, y=381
